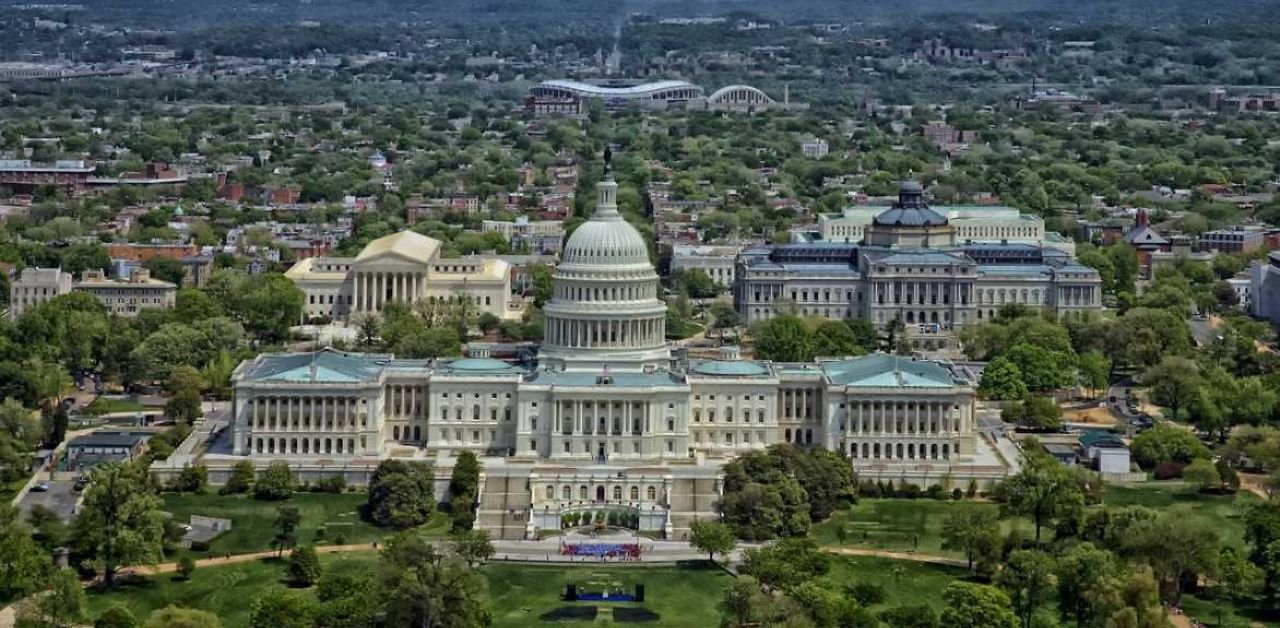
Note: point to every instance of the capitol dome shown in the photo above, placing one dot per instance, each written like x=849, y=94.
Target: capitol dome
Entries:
x=604, y=311
x=607, y=239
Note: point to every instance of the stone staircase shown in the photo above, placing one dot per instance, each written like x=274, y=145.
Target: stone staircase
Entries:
x=504, y=506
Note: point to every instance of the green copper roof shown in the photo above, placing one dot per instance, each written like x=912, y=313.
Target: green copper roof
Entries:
x=327, y=366
x=881, y=370
x=734, y=368
x=478, y=365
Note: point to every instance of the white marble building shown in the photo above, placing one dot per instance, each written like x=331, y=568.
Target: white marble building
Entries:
x=606, y=418
x=404, y=267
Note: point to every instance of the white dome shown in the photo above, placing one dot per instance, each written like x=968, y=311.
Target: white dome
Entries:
x=604, y=310
x=600, y=242
x=607, y=239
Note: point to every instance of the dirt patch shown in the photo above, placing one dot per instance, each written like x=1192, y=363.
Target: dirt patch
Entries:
x=1093, y=415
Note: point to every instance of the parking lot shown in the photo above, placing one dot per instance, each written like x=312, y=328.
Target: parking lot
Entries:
x=60, y=498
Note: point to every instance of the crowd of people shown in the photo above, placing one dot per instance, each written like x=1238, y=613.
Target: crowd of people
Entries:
x=625, y=551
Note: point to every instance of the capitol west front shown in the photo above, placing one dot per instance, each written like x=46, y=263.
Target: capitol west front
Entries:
x=607, y=418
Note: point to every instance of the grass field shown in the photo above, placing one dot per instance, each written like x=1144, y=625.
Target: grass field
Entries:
x=901, y=524
x=225, y=591
x=916, y=524
x=522, y=595
x=1221, y=512
x=529, y=595
x=253, y=521
x=108, y=405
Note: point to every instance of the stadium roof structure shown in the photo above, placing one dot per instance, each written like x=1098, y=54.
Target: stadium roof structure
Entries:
x=607, y=91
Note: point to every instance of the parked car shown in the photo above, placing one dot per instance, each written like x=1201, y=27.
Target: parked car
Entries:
x=40, y=488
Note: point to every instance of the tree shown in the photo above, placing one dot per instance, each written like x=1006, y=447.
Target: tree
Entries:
x=835, y=339
x=1035, y=412
x=276, y=482
x=1095, y=371
x=785, y=564
x=783, y=339
x=348, y=600
x=23, y=565
x=465, y=478
x=186, y=567
x=724, y=316
x=177, y=617
x=1174, y=383
x=120, y=522
x=711, y=537
x=741, y=602
x=116, y=616
x=1043, y=490
x=424, y=587
x=267, y=305
x=304, y=566
x=278, y=607
x=972, y=605
x=19, y=434
x=473, y=546
x=1028, y=579
x=241, y=479
x=1178, y=548
x=1042, y=369
x=965, y=530
x=1088, y=578
x=401, y=494
x=166, y=269
x=1001, y=380
x=64, y=604
x=184, y=386
x=1262, y=532
x=286, y=526
x=488, y=322
x=192, y=479
x=1202, y=471
x=1167, y=443
x=910, y=617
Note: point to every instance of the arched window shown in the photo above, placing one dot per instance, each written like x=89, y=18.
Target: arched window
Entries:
x=651, y=493
x=582, y=492
x=635, y=493
x=617, y=493
x=551, y=492
x=566, y=493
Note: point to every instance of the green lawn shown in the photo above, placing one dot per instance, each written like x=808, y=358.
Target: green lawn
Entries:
x=905, y=583
x=529, y=595
x=522, y=595
x=224, y=591
x=916, y=524
x=104, y=405
x=901, y=524
x=253, y=521
x=1222, y=512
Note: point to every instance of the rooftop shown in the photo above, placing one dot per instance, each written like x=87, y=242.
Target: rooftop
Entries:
x=882, y=370
x=729, y=368
x=327, y=366
x=616, y=91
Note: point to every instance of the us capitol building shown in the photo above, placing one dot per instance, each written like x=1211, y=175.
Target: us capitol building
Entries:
x=607, y=418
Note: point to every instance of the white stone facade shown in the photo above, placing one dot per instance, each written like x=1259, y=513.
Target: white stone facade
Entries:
x=606, y=419
x=405, y=267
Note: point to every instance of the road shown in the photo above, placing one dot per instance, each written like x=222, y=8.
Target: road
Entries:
x=1202, y=330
